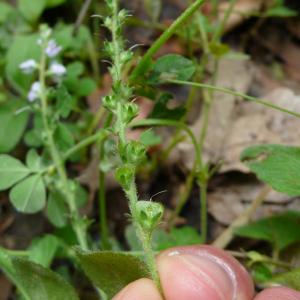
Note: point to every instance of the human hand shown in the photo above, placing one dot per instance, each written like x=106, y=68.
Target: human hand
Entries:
x=201, y=272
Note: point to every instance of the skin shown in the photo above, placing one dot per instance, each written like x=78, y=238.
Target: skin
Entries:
x=201, y=272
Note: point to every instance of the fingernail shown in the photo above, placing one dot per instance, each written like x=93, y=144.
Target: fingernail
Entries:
x=208, y=276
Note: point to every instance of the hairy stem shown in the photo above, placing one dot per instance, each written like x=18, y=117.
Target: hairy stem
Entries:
x=58, y=160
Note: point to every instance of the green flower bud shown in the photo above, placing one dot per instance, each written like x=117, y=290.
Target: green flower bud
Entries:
x=134, y=152
x=149, y=214
x=108, y=22
x=125, y=175
x=109, y=102
x=130, y=111
x=126, y=56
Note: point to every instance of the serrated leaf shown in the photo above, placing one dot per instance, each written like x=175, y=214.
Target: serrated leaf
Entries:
x=11, y=171
x=172, y=66
x=112, y=271
x=29, y=196
x=12, y=125
x=42, y=250
x=277, y=165
x=290, y=279
x=280, y=230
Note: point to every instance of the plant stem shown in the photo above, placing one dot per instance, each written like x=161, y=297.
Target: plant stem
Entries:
x=102, y=199
x=237, y=94
x=97, y=137
x=220, y=29
x=172, y=123
x=102, y=213
x=122, y=93
x=203, y=213
x=58, y=161
x=139, y=69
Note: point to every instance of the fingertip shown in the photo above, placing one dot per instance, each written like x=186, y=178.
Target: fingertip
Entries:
x=140, y=289
x=278, y=293
x=203, y=272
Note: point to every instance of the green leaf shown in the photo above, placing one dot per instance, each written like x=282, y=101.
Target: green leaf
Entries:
x=53, y=3
x=43, y=250
x=32, y=9
x=63, y=34
x=149, y=138
x=57, y=210
x=14, y=57
x=290, y=279
x=5, y=10
x=280, y=230
x=172, y=66
x=281, y=12
x=11, y=171
x=277, y=165
x=81, y=195
x=34, y=161
x=64, y=102
x=29, y=196
x=112, y=271
x=161, y=110
x=261, y=272
x=63, y=137
x=41, y=283
x=86, y=86
x=12, y=125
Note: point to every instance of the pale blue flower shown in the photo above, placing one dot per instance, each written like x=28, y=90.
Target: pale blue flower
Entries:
x=57, y=69
x=28, y=66
x=34, y=92
x=52, y=49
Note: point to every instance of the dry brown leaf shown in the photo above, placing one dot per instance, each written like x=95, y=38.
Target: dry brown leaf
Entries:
x=227, y=203
x=242, y=10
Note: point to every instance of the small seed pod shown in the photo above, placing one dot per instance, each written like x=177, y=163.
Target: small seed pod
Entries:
x=130, y=111
x=109, y=102
x=134, y=152
x=124, y=176
x=149, y=214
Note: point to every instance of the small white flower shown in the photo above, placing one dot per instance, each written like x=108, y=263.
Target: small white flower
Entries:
x=57, y=69
x=34, y=92
x=52, y=49
x=28, y=66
